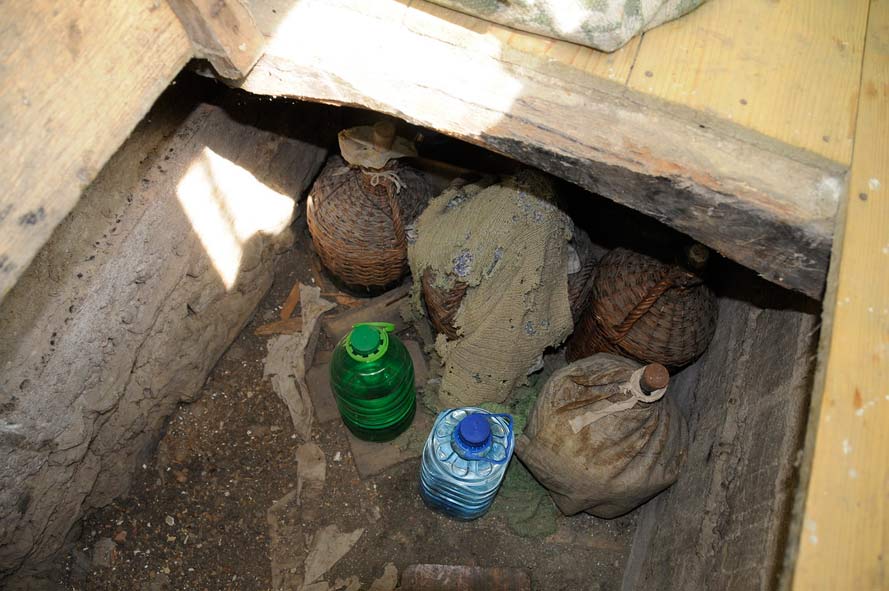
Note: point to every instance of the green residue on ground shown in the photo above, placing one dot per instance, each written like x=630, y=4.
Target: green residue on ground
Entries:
x=525, y=504
x=522, y=501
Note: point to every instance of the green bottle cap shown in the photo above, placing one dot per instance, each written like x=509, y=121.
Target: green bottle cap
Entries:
x=365, y=339
x=368, y=341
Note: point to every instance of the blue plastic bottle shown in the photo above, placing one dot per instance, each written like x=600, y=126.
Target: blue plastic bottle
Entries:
x=464, y=461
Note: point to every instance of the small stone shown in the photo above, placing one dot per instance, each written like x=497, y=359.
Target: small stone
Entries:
x=161, y=582
x=338, y=457
x=181, y=476
x=259, y=431
x=169, y=520
x=120, y=537
x=104, y=553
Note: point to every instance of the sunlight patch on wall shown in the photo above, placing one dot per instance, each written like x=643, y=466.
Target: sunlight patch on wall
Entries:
x=226, y=205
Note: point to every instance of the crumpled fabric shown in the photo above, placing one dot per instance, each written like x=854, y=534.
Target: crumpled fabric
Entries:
x=509, y=244
x=606, y=25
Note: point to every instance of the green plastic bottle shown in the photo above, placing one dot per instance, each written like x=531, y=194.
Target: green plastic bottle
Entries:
x=372, y=377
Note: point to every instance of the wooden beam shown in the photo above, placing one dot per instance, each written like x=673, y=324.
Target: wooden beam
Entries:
x=223, y=32
x=762, y=203
x=75, y=78
x=842, y=535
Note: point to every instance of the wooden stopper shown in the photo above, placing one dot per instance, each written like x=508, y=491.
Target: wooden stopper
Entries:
x=697, y=256
x=384, y=135
x=654, y=377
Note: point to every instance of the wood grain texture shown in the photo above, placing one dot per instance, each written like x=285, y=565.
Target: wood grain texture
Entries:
x=723, y=524
x=752, y=199
x=789, y=70
x=843, y=535
x=222, y=32
x=75, y=78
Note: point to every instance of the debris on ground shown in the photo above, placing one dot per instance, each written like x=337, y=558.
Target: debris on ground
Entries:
x=388, y=580
x=383, y=308
x=312, y=471
x=288, y=357
x=104, y=552
x=292, y=301
x=288, y=326
x=246, y=493
x=329, y=544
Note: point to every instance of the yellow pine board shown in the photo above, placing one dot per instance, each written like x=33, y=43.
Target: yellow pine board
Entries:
x=789, y=70
x=844, y=539
x=612, y=66
x=75, y=78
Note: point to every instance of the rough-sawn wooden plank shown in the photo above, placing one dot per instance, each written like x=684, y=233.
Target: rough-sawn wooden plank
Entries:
x=841, y=535
x=763, y=204
x=75, y=78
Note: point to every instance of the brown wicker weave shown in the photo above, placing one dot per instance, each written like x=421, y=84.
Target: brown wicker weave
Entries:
x=646, y=310
x=358, y=224
x=442, y=304
x=580, y=284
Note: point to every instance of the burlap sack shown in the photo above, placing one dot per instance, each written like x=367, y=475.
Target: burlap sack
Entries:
x=598, y=443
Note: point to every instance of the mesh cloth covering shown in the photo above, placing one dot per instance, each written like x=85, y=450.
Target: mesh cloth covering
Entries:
x=357, y=220
x=507, y=244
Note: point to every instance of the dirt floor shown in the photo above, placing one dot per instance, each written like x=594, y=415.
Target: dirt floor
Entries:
x=226, y=504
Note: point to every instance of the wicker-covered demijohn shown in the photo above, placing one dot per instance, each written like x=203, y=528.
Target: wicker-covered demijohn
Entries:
x=646, y=310
x=357, y=218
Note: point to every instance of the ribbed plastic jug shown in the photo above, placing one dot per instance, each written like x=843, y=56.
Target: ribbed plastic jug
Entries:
x=372, y=378
x=464, y=461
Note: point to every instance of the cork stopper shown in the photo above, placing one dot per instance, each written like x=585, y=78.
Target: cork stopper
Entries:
x=384, y=135
x=654, y=377
x=697, y=256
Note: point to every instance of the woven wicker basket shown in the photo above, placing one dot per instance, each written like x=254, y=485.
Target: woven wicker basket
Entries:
x=357, y=221
x=644, y=309
x=580, y=284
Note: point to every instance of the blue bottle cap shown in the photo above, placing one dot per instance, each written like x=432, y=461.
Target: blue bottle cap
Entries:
x=474, y=430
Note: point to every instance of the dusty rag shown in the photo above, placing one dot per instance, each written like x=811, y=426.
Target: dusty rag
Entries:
x=601, y=24
x=509, y=244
